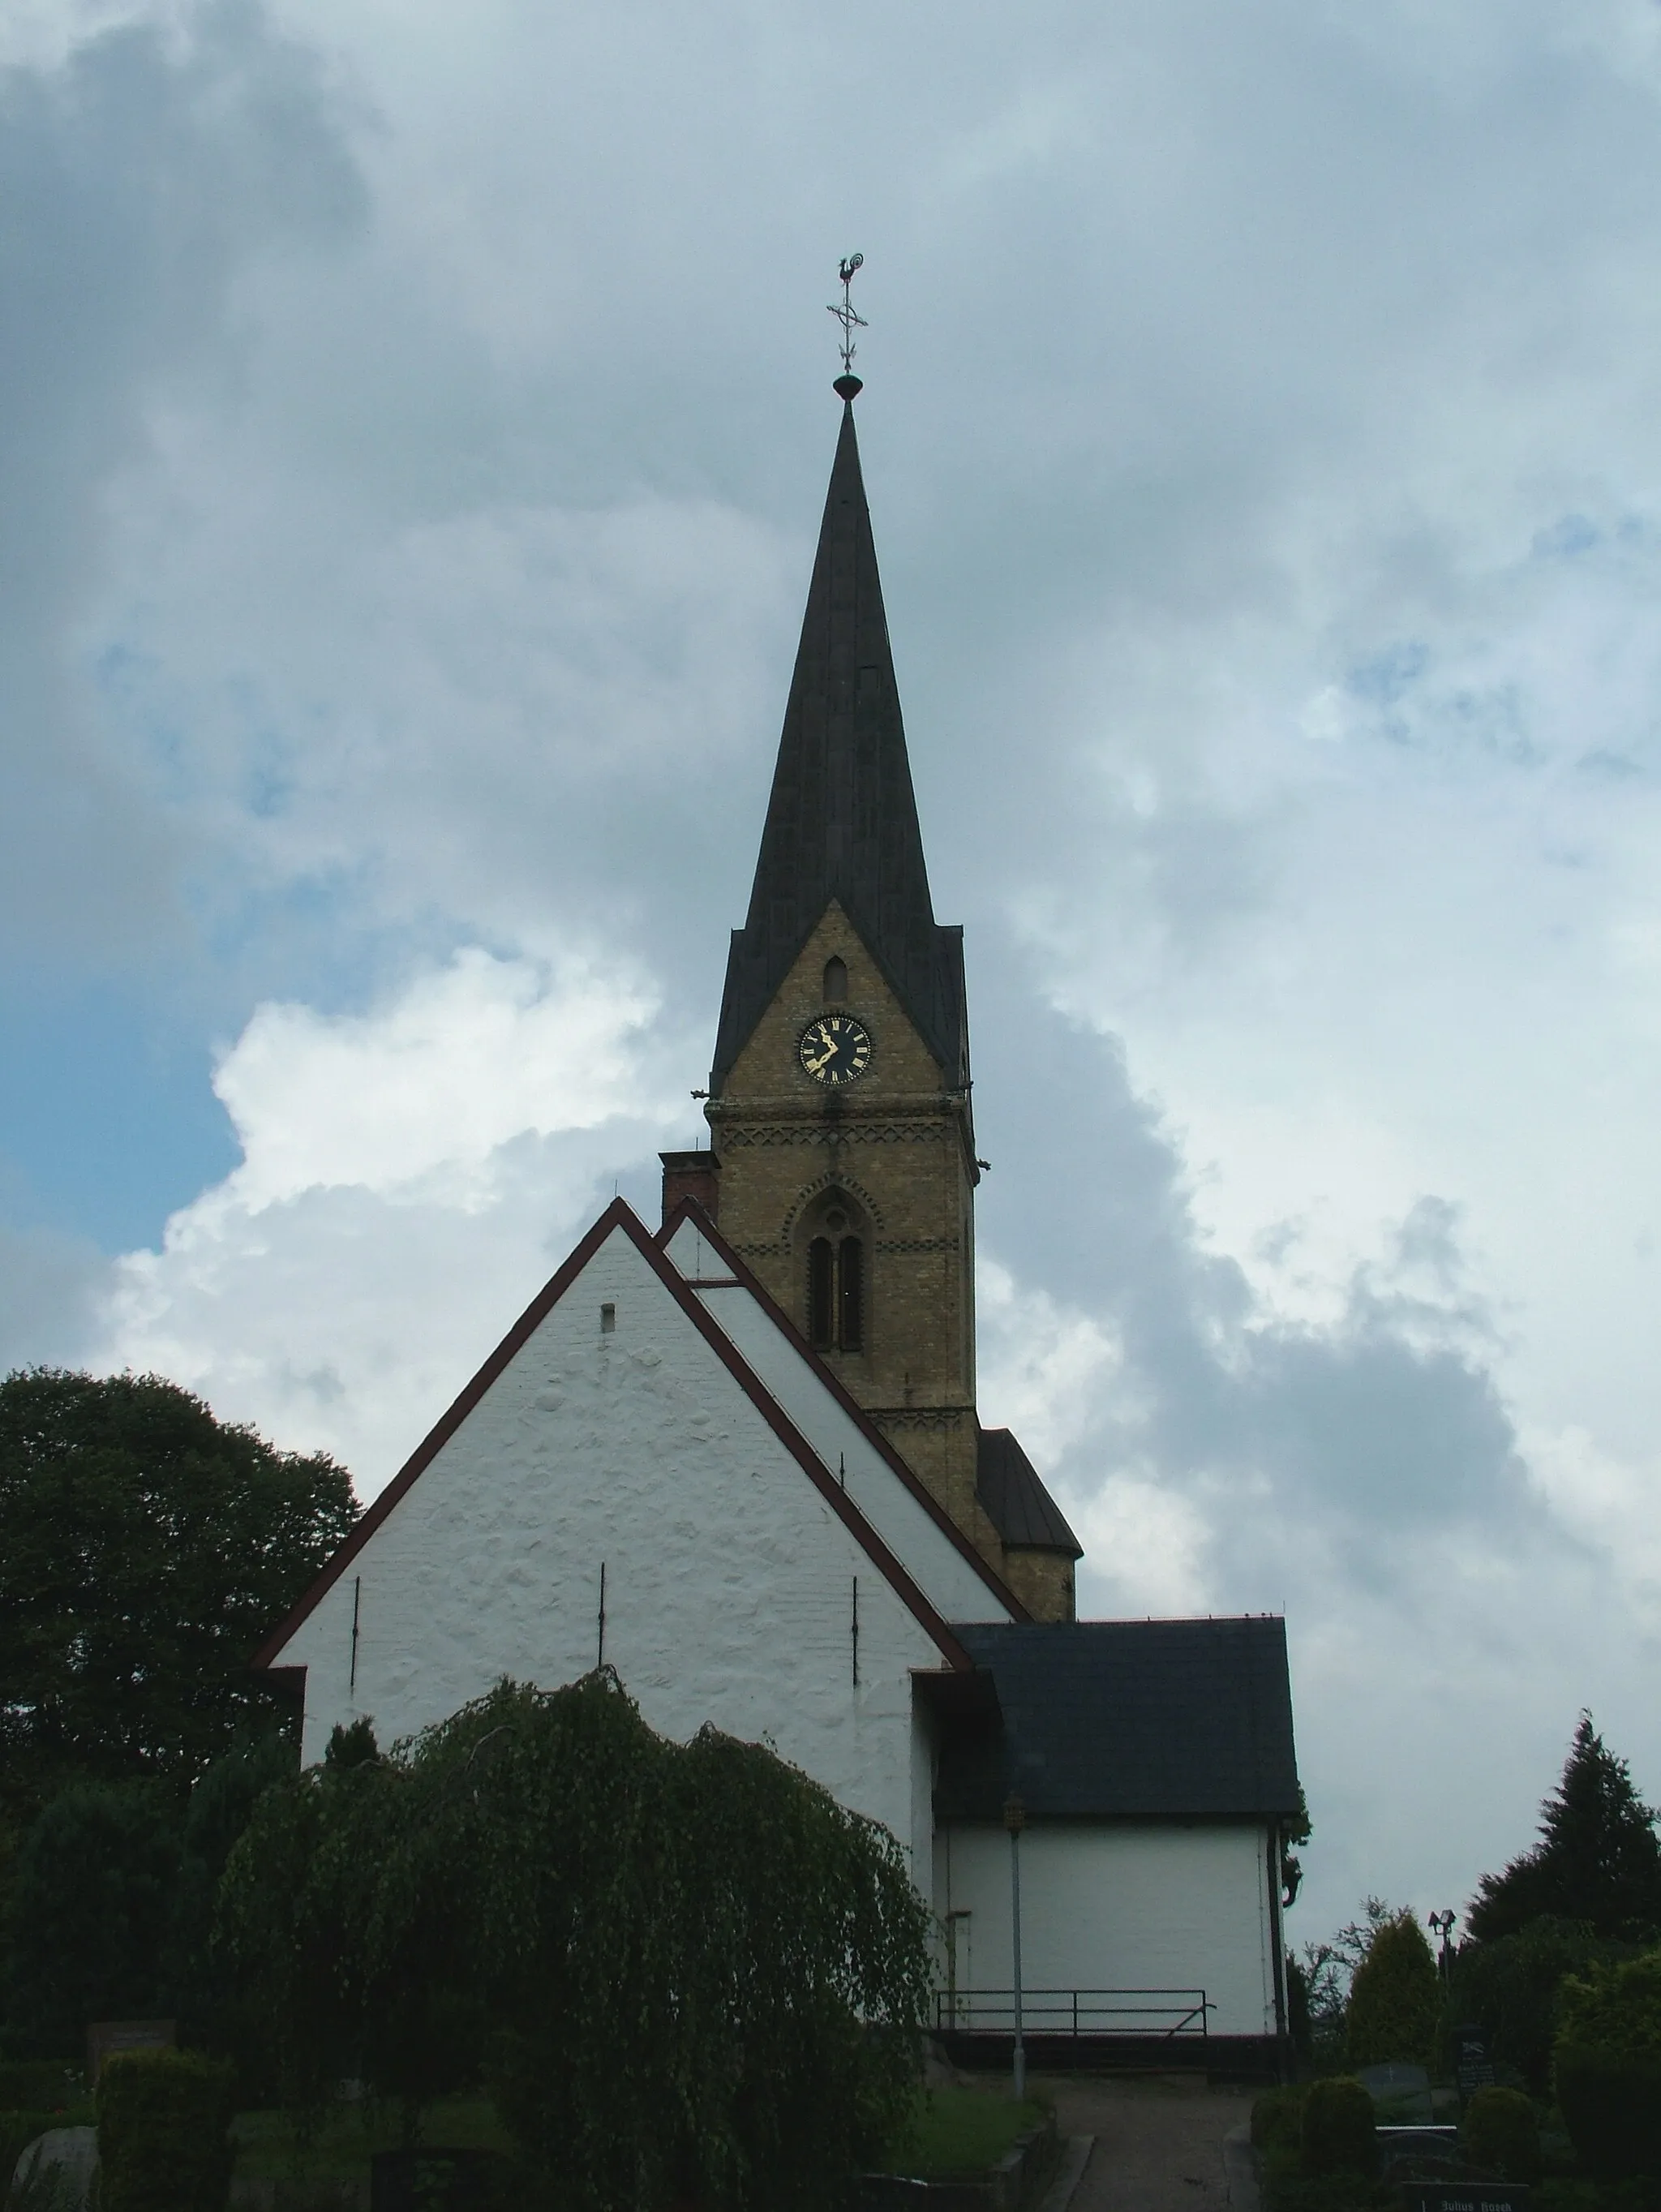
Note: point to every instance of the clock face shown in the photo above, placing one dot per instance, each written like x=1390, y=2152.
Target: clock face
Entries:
x=835, y=1048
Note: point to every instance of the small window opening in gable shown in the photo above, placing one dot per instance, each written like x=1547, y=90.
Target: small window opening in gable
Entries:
x=836, y=981
x=607, y=1320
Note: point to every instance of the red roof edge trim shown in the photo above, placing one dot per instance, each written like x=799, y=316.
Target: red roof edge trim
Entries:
x=621, y=1215
x=689, y=1210
x=448, y=1422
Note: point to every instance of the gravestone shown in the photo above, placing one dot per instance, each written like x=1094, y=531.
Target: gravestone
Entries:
x=104, y=2038
x=1473, y=2068
x=1468, y=2196
x=1401, y=2092
x=73, y=2152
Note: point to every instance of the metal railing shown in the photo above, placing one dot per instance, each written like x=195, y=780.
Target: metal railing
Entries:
x=1162, y=2013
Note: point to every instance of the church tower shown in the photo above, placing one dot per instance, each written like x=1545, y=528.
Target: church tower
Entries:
x=843, y=1168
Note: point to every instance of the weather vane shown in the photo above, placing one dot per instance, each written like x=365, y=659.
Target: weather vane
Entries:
x=845, y=314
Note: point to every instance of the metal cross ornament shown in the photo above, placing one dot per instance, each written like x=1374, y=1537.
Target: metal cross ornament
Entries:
x=845, y=314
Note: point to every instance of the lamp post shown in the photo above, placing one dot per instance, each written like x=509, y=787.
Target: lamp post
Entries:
x=1443, y=1924
x=1014, y=1820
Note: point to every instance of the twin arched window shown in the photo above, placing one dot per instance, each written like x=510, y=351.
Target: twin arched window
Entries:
x=836, y=1287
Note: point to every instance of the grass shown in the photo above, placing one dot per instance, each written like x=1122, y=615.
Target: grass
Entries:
x=268, y=2150
x=957, y=2132
x=966, y=2131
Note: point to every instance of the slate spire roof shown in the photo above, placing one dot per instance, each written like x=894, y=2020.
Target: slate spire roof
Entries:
x=842, y=819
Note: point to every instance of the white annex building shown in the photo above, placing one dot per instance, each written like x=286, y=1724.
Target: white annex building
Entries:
x=738, y=1460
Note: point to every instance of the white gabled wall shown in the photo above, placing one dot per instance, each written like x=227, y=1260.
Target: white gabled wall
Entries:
x=729, y=1579
x=949, y=1582
x=1118, y=1907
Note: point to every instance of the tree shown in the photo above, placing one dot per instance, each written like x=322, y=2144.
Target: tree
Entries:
x=148, y=1548
x=1599, y=1859
x=90, y=1903
x=699, y=1973
x=1513, y=1985
x=1396, y=1997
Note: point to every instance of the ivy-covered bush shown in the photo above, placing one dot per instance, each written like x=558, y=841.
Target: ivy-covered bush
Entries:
x=1501, y=2135
x=163, y=2122
x=1395, y=1999
x=1337, y=2129
x=684, y=1971
x=1607, y=2066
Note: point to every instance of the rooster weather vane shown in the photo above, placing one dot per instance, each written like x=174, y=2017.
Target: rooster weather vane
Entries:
x=845, y=314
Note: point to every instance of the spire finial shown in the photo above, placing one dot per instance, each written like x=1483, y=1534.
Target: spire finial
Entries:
x=848, y=384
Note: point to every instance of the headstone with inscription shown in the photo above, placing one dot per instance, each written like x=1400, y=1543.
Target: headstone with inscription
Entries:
x=1473, y=2065
x=107, y=2037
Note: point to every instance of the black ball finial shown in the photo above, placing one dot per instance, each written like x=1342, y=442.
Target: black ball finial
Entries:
x=847, y=388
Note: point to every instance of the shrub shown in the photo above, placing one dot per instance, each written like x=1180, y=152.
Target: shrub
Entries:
x=39, y=2084
x=1607, y=2066
x=1396, y=1998
x=1501, y=2137
x=1512, y=1985
x=162, y=2139
x=1277, y=2125
x=1337, y=2128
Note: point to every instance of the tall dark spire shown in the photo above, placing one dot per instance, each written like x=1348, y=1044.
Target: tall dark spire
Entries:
x=842, y=819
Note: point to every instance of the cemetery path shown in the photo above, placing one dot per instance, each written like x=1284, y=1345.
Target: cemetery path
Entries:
x=1159, y=2144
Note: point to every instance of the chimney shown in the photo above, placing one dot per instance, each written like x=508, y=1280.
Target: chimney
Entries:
x=692, y=1174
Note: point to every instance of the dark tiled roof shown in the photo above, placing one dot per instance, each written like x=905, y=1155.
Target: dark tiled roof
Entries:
x=1128, y=1720
x=1021, y=1509
x=842, y=818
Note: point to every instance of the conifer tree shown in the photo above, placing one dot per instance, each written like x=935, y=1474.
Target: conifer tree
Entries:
x=1599, y=1859
x=1396, y=1998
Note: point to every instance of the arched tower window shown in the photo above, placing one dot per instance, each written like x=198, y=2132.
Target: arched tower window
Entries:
x=836, y=981
x=836, y=1277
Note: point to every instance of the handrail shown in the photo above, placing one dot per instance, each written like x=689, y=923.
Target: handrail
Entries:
x=1074, y=2011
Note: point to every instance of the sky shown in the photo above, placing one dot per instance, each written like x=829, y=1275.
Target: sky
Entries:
x=414, y=424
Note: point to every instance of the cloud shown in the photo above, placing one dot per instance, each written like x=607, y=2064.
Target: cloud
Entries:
x=410, y=1177
x=415, y=435
x=151, y=169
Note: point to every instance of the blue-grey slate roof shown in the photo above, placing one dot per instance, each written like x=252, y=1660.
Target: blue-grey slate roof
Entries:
x=1142, y=1720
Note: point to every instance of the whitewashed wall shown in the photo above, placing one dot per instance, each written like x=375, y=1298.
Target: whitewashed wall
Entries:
x=949, y=1580
x=1118, y=1907
x=729, y=1579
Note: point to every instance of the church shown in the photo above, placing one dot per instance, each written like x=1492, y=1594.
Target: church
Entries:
x=738, y=1458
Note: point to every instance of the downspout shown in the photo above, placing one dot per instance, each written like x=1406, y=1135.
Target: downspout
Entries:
x=1283, y=2047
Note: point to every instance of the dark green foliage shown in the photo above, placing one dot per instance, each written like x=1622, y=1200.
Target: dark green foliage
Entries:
x=1396, y=1998
x=1337, y=2129
x=703, y=1975
x=1611, y=2105
x=1607, y=2066
x=163, y=2146
x=1501, y=2137
x=45, y=2085
x=1599, y=1859
x=1300, y=2019
x=201, y=1993
x=149, y=1549
x=93, y=1887
x=1277, y=2125
x=1510, y=1986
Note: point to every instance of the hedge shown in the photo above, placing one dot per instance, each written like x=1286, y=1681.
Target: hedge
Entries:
x=163, y=2122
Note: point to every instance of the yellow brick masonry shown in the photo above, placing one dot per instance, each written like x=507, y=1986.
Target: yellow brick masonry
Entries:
x=896, y=1148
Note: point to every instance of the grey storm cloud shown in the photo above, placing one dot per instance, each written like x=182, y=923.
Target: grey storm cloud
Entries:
x=139, y=176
